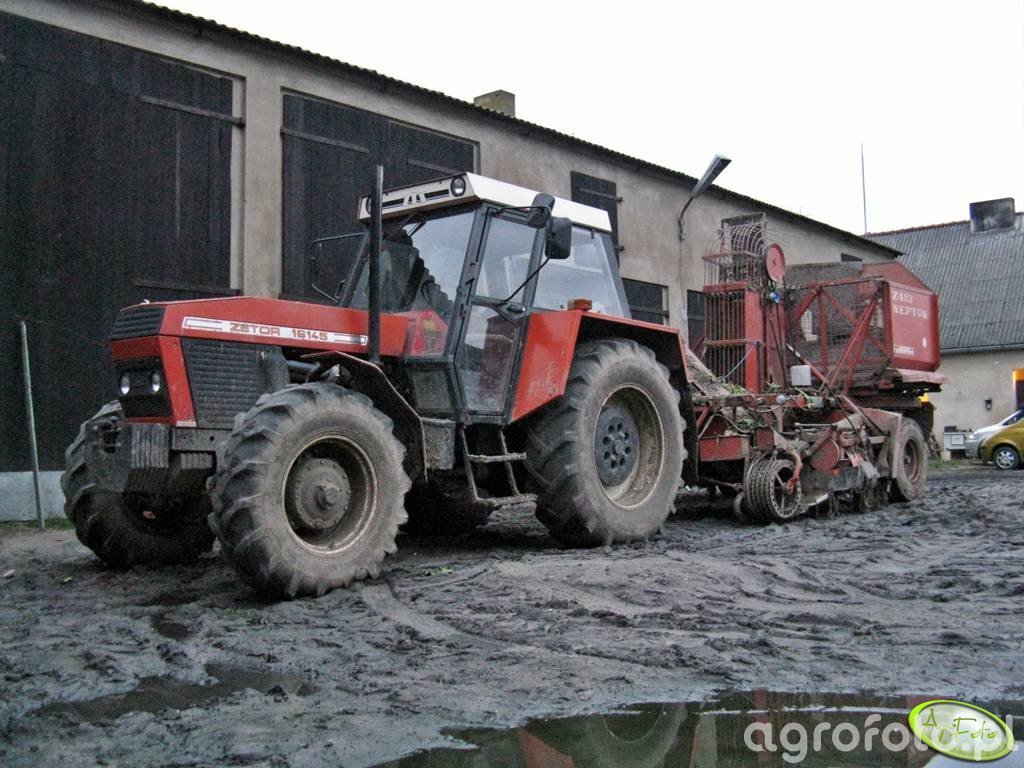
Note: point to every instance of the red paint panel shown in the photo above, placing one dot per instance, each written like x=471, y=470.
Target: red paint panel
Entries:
x=547, y=355
x=665, y=340
x=726, y=448
x=551, y=339
x=914, y=320
x=282, y=323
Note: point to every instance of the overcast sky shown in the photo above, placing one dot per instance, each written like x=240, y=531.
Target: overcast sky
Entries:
x=788, y=90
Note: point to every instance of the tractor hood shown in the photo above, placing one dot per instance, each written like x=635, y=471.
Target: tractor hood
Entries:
x=261, y=321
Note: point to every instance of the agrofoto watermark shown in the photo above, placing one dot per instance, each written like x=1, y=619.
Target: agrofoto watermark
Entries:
x=952, y=728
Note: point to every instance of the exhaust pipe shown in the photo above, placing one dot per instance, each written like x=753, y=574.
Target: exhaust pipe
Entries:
x=376, y=236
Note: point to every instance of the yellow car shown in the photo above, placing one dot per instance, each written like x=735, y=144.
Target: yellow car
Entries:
x=1005, y=447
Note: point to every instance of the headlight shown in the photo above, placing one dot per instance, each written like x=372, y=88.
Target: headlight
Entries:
x=124, y=384
x=972, y=436
x=156, y=382
x=458, y=187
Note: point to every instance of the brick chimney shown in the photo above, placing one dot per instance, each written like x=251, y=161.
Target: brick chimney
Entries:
x=499, y=101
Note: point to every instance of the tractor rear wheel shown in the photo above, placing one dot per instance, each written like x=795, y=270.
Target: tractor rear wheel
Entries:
x=911, y=460
x=124, y=530
x=608, y=454
x=308, y=496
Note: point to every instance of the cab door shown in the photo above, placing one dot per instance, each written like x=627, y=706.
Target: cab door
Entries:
x=488, y=350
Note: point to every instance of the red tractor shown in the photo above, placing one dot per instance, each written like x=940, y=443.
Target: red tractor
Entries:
x=477, y=353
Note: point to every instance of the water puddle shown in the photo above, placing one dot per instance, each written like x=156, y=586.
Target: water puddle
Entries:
x=169, y=628
x=810, y=730
x=170, y=599
x=154, y=694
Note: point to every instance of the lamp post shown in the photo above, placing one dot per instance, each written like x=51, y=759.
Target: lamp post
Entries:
x=718, y=165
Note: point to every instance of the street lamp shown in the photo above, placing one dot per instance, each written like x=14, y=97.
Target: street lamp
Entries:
x=717, y=166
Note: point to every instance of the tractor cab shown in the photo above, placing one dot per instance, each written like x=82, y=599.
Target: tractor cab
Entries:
x=465, y=261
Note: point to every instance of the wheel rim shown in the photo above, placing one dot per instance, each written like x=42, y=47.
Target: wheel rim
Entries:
x=1005, y=458
x=330, y=492
x=786, y=502
x=912, y=461
x=629, y=446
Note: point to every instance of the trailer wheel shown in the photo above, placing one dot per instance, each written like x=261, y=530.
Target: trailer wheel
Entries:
x=443, y=507
x=911, y=461
x=607, y=456
x=1006, y=457
x=768, y=495
x=308, y=496
x=120, y=529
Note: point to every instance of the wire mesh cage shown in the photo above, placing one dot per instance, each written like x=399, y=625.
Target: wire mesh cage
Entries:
x=841, y=326
x=738, y=256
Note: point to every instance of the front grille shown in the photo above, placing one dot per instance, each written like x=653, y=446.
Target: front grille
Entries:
x=227, y=377
x=137, y=321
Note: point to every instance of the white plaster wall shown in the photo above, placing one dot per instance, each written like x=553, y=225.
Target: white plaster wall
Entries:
x=973, y=378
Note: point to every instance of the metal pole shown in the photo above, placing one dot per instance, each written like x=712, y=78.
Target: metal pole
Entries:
x=863, y=188
x=30, y=410
x=376, y=237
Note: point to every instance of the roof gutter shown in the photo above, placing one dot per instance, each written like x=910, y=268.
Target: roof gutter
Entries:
x=988, y=348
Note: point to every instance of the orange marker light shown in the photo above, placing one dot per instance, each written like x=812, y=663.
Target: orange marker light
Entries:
x=585, y=304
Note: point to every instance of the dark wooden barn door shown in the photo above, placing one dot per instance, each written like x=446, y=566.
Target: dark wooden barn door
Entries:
x=114, y=187
x=330, y=151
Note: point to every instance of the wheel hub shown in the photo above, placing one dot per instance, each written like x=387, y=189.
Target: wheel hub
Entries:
x=317, y=494
x=616, y=445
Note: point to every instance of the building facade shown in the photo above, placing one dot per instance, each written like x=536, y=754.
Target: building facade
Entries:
x=977, y=268
x=149, y=154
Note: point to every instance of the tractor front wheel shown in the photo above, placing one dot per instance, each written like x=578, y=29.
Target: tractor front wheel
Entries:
x=126, y=530
x=309, y=494
x=608, y=455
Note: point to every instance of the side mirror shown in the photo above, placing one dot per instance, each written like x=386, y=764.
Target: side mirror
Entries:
x=559, y=244
x=541, y=210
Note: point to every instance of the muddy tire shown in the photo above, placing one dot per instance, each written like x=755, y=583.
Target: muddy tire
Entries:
x=607, y=456
x=114, y=526
x=442, y=507
x=1006, y=457
x=911, y=463
x=309, y=494
x=766, y=491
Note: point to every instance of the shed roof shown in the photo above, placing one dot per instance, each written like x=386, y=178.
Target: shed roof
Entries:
x=514, y=122
x=979, y=277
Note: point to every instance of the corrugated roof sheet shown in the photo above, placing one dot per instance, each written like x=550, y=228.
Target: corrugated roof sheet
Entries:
x=979, y=278
x=386, y=81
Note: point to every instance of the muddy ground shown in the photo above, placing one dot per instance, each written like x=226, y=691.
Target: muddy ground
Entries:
x=183, y=666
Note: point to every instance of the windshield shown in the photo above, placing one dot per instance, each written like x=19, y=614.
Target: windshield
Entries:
x=421, y=262
x=1013, y=418
x=587, y=273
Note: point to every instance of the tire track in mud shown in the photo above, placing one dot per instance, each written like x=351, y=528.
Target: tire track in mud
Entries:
x=505, y=625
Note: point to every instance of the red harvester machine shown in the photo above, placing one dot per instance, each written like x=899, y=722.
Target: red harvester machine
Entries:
x=817, y=380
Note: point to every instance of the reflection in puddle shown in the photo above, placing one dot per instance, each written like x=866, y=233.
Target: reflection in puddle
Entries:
x=872, y=731
x=154, y=694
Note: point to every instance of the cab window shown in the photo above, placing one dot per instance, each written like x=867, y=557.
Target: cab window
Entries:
x=586, y=274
